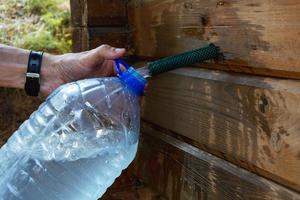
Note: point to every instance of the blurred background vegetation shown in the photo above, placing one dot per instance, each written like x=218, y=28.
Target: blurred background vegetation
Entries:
x=36, y=24
x=42, y=25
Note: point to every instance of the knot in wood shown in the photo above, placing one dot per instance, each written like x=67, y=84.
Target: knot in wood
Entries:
x=221, y=3
x=263, y=104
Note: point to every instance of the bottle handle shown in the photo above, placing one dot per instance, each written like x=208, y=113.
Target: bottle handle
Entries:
x=119, y=62
x=131, y=78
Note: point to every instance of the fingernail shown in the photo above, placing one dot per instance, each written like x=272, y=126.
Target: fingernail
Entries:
x=119, y=50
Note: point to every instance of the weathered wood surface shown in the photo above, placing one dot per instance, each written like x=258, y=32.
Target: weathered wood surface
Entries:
x=260, y=37
x=80, y=39
x=89, y=38
x=117, y=37
x=129, y=187
x=250, y=121
x=78, y=13
x=138, y=191
x=98, y=13
x=97, y=22
x=106, y=12
x=179, y=171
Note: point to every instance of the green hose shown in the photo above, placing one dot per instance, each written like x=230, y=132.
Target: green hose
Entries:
x=184, y=59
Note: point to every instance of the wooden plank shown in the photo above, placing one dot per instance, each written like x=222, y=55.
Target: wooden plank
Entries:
x=126, y=186
x=250, y=121
x=117, y=37
x=259, y=37
x=107, y=13
x=98, y=13
x=179, y=171
x=78, y=13
x=140, y=191
x=80, y=40
x=89, y=38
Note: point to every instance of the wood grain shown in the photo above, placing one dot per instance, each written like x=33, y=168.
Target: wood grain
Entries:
x=89, y=38
x=259, y=37
x=250, y=121
x=80, y=39
x=97, y=13
x=106, y=12
x=78, y=13
x=179, y=171
x=117, y=37
x=138, y=191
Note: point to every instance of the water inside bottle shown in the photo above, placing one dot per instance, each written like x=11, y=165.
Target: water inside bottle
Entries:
x=84, y=175
x=82, y=179
x=72, y=149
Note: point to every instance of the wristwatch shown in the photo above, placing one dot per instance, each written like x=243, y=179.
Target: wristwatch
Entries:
x=32, y=84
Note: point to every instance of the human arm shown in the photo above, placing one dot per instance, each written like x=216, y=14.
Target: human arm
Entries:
x=56, y=69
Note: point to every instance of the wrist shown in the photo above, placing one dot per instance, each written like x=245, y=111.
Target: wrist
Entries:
x=48, y=78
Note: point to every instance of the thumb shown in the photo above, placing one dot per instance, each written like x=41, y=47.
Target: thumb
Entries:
x=103, y=52
x=107, y=52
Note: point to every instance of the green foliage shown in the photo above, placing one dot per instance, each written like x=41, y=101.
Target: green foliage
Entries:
x=35, y=24
x=43, y=41
x=40, y=7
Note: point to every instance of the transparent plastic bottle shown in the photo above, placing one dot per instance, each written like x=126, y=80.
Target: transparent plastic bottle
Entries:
x=77, y=142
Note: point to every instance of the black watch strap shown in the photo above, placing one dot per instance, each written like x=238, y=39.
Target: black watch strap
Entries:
x=32, y=84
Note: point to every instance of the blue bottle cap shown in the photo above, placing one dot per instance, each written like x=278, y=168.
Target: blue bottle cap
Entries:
x=131, y=78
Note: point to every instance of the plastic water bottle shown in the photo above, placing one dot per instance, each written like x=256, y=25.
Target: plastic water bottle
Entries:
x=82, y=137
x=77, y=142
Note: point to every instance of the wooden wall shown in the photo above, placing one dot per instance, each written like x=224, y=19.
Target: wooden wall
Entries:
x=256, y=36
x=208, y=134
x=97, y=22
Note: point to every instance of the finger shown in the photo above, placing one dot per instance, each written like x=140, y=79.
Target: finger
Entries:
x=103, y=52
x=108, y=52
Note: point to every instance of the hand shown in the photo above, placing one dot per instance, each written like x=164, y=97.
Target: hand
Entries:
x=59, y=69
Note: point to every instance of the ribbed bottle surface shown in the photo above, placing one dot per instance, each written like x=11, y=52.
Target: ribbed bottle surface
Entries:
x=74, y=146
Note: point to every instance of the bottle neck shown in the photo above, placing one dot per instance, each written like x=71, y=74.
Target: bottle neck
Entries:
x=132, y=78
x=144, y=71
